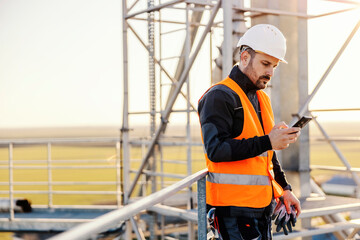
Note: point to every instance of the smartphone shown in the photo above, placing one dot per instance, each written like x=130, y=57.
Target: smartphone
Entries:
x=302, y=122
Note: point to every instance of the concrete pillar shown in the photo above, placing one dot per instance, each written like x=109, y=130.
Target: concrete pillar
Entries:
x=290, y=89
x=234, y=28
x=227, y=43
x=290, y=85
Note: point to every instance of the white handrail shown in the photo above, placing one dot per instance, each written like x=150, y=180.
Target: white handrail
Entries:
x=111, y=219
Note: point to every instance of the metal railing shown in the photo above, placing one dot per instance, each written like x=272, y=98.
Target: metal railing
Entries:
x=112, y=219
x=47, y=188
x=50, y=165
x=332, y=142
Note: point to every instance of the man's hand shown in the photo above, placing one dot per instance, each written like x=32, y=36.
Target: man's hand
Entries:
x=286, y=212
x=291, y=200
x=281, y=136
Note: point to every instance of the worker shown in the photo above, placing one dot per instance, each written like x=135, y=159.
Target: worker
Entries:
x=245, y=179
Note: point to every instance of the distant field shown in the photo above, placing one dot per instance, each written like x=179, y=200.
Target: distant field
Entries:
x=80, y=153
x=321, y=154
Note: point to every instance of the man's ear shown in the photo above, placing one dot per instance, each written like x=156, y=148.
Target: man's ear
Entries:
x=245, y=58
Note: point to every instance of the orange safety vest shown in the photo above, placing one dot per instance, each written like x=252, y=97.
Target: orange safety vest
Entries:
x=249, y=182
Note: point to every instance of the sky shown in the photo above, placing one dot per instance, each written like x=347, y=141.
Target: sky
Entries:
x=61, y=63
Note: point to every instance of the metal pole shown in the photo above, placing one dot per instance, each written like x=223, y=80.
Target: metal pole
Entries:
x=118, y=175
x=125, y=124
x=50, y=196
x=194, y=24
x=155, y=8
x=173, y=98
x=304, y=150
x=227, y=43
x=188, y=127
x=133, y=5
x=151, y=51
x=111, y=219
x=303, y=110
x=341, y=156
x=202, y=225
x=159, y=63
x=138, y=232
x=11, y=182
x=152, y=94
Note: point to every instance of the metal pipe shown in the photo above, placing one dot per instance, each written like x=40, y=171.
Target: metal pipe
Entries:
x=291, y=14
x=151, y=67
x=340, y=155
x=303, y=110
x=172, y=100
x=335, y=110
x=61, y=192
x=161, y=84
x=50, y=197
x=202, y=222
x=37, y=141
x=172, y=22
x=58, y=161
x=191, y=33
x=118, y=175
x=345, y=1
x=58, y=183
x=316, y=189
x=11, y=181
x=111, y=219
x=187, y=46
x=173, y=31
x=75, y=141
x=177, y=22
x=335, y=168
x=174, y=212
x=332, y=13
x=155, y=8
x=176, y=162
x=65, y=167
x=279, y=12
x=125, y=123
x=169, y=175
x=193, y=9
x=138, y=232
x=341, y=139
x=152, y=107
x=177, y=111
x=133, y=5
x=169, y=143
x=158, y=63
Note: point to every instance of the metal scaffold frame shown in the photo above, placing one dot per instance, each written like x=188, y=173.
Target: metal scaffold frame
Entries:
x=180, y=77
x=131, y=189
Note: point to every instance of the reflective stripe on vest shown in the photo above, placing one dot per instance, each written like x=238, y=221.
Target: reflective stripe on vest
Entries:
x=238, y=179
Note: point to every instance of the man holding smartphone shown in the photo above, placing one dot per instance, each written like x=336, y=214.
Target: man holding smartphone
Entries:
x=239, y=135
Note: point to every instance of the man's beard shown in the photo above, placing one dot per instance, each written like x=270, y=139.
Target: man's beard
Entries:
x=260, y=83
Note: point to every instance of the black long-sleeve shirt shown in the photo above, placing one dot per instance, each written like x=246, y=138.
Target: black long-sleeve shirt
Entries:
x=222, y=118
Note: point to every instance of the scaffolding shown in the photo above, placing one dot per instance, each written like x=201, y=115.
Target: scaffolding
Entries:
x=193, y=22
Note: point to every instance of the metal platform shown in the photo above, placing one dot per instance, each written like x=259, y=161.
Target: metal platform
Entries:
x=320, y=206
x=45, y=219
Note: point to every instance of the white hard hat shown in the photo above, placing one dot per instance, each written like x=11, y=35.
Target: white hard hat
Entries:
x=265, y=38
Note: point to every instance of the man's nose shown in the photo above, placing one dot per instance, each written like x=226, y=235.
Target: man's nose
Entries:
x=270, y=72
